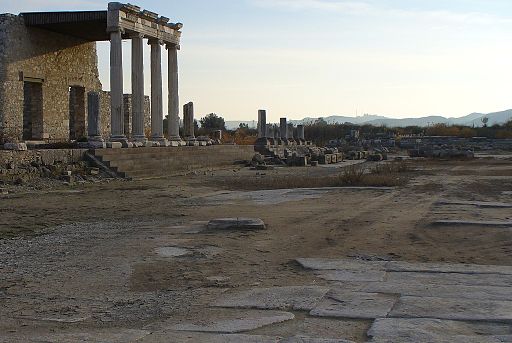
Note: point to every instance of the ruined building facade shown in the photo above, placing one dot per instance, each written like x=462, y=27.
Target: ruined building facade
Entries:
x=44, y=79
x=48, y=66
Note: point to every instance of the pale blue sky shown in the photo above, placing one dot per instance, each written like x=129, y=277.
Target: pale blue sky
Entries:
x=296, y=58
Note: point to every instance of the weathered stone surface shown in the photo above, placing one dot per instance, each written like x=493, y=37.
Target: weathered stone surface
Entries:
x=483, y=204
x=283, y=298
x=497, y=280
x=494, y=223
x=399, y=266
x=354, y=305
x=455, y=309
x=352, y=275
x=236, y=224
x=435, y=330
x=241, y=323
x=415, y=288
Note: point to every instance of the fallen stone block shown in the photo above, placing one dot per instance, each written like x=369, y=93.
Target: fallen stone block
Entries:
x=236, y=224
x=299, y=298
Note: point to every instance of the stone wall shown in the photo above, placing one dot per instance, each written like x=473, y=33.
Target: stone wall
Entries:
x=55, y=61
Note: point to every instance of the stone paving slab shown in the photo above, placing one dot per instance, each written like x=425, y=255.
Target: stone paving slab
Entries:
x=399, y=266
x=482, y=204
x=196, y=337
x=436, y=330
x=341, y=264
x=241, y=322
x=451, y=339
x=438, y=290
x=496, y=280
x=299, y=298
x=484, y=223
x=352, y=275
x=354, y=305
x=455, y=309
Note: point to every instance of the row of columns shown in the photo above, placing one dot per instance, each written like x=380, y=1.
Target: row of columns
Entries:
x=116, y=86
x=284, y=134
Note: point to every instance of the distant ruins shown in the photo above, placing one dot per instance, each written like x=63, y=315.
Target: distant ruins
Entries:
x=49, y=75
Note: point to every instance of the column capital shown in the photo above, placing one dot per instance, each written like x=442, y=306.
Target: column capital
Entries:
x=171, y=46
x=132, y=35
x=152, y=41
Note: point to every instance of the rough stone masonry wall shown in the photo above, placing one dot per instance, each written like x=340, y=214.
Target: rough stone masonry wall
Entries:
x=62, y=61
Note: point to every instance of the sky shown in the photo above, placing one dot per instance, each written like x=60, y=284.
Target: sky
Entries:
x=298, y=58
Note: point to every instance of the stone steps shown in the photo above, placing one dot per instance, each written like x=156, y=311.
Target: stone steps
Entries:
x=140, y=163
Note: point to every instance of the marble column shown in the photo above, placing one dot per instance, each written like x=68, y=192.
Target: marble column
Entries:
x=157, y=115
x=116, y=86
x=93, y=116
x=188, y=121
x=174, y=100
x=262, y=124
x=138, y=133
x=284, y=129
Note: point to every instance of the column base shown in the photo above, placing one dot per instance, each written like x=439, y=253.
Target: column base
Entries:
x=162, y=141
x=191, y=141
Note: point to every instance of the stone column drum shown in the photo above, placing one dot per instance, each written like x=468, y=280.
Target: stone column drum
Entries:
x=174, y=101
x=116, y=87
x=262, y=124
x=300, y=132
x=138, y=134
x=157, y=116
x=284, y=129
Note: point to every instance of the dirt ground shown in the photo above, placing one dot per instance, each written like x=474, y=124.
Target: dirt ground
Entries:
x=86, y=256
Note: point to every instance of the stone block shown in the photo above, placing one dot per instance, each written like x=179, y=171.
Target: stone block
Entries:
x=236, y=224
x=15, y=146
x=114, y=145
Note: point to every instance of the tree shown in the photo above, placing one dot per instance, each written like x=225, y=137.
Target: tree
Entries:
x=243, y=126
x=213, y=122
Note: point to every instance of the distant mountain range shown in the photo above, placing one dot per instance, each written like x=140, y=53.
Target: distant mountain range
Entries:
x=473, y=119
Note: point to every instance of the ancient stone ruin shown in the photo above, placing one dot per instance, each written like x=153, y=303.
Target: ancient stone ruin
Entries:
x=49, y=84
